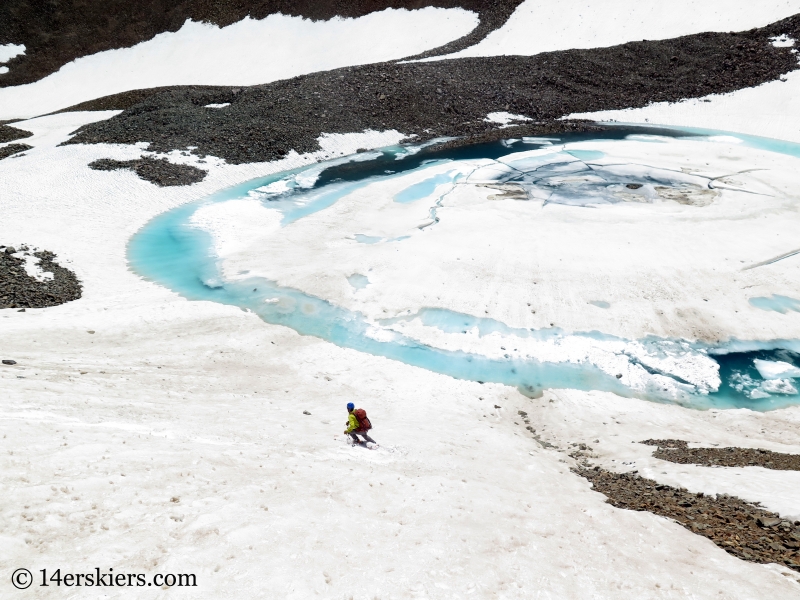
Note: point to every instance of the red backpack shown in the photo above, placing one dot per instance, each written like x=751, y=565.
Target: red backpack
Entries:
x=363, y=420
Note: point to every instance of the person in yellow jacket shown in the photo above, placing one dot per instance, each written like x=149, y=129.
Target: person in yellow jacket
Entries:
x=354, y=428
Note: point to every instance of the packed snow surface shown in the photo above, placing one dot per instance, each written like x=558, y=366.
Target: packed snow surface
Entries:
x=544, y=26
x=150, y=434
x=249, y=52
x=766, y=110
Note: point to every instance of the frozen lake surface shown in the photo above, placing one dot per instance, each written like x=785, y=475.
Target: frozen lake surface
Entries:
x=188, y=250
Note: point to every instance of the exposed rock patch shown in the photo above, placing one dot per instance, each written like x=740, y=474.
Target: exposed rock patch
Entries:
x=443, y=98
x=155, y=170
x=12, y=149
x=677, y=451
x=20, y=290
x=9, y=134
x=738, y=527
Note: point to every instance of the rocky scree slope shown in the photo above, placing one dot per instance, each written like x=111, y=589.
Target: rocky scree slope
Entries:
x=442, y=98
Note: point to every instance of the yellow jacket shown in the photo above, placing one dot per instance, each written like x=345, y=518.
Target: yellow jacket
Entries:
x=352, y=422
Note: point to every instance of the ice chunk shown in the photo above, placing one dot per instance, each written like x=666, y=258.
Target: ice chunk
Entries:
x=778, y=386
x=223, y=105
x=776, y=370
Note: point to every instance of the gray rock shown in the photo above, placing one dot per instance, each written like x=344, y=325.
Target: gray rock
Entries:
x=768, y=522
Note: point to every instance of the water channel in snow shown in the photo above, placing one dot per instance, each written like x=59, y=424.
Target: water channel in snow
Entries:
x=173, y=251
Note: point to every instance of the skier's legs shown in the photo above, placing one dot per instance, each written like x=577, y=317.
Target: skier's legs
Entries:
x=355, y=438
x=366, y=437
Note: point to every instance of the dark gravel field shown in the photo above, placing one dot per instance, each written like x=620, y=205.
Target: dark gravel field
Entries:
x=57, y=32
x=9, y=134
x=19, y=290
x=738, y=527
x=442, y=98
x=677, y=451
x=12, y=149
x=155, y=170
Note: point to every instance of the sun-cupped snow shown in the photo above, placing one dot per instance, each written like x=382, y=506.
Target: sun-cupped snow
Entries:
x=766, y=110
x=195, y=438
x=542, y=26
x=249, y=52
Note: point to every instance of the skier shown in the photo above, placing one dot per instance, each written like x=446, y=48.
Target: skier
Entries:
x=358, y=424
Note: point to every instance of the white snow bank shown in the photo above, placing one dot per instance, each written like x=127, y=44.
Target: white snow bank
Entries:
x=220, y=105
x=768, y=110
x=9, y=51
x=3, y=70
x=504, y=118
x=542, y=26
x=246, y=53
x=53, y=129
x=782, y=41
x=776, y=370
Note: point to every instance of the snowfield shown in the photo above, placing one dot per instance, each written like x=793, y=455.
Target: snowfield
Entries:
x=538, y=26
x=152, y=434
x=766, y=110
x=249, y=52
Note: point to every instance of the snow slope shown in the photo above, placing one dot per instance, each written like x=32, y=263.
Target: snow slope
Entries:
x=769, y=110
x=542, y=26
x=246, y=53
x=149, y=434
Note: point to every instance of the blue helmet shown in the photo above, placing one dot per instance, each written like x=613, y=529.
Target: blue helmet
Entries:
x=350, y=406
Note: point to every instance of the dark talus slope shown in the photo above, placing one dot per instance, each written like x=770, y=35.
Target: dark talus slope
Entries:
x=19, y=290
x=678, y=451
x=442, y=98
x=55, y=33
x=12, y=149
x=9, y=134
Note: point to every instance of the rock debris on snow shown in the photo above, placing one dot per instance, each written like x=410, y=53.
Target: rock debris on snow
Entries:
x=12, y=149
x=678, y=451
x=9, y=133
x=155, y=170
x=18, y=289
x=738, y=527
